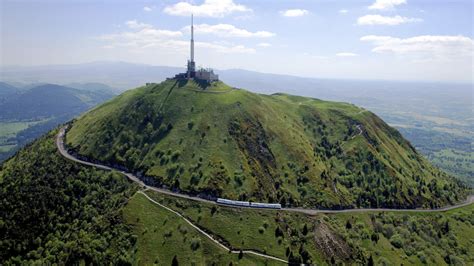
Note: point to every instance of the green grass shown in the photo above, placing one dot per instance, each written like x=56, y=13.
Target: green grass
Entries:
x=9, y=130
x=241, y=228
x=422, y=235
x=457, y=162
x=161, y=235
x=6, y=148
x=272, y=148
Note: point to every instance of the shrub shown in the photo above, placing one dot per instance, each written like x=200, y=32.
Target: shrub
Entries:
x=305, y=229
x=396, y=241
x=175, y=155
x=388, y=230
x=348, y=224
x=421, y=255
x=374, y=237
x=190, y=125
x=278, y=232
x=175, y=261
x=182, y=229
x=195, y=243
x=265, y=224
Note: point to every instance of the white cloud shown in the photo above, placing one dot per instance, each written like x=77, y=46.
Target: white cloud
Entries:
x=264, y=44
x=227, y=30
x=386, y=4
x=384, y=20
x=431, y=47
x=141, y=36
x=294, y=12
x=133, y=24
x=210, y=8
x=346, y=54
x=343, y=11
x=232, y=49
x=147, y=9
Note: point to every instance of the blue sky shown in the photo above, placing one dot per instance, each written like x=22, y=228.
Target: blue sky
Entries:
x=374, y=39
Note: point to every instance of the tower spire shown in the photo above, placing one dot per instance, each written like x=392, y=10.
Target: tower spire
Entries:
x=192, y=38
x=191, y=64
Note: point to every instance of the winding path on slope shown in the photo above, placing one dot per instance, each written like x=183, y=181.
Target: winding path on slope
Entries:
x=234, y=251
x=132, y=177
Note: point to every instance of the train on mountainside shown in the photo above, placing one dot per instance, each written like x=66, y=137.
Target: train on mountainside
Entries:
x=248, y=204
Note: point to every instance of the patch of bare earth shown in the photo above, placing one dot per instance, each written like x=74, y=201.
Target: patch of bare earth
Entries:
x=330, y=243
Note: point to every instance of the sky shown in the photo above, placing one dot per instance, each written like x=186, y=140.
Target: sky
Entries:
x=426, y=40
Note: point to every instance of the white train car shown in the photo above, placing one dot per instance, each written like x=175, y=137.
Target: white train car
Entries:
x=233, y=202
x=248, y=204
x=265, y=205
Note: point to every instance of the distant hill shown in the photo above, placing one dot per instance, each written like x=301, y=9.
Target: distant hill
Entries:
x=6, y=91
x=272, y=148
x=33, y=110
x=92, y=86
x=49, y=100
x=115, y=74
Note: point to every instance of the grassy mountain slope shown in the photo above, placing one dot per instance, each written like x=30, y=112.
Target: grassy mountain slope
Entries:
x=55, y=211
x=240, y=145
x=162, y=236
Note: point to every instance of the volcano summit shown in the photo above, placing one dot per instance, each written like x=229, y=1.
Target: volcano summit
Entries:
x=231, y=143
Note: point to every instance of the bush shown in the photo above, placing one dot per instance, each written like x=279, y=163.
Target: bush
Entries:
x=195, y=243
x=421, y=255
x=396, y=241
x=388, y=230
x=278, y=232
x=265, y=224
x=175, y=155
x=190, y=125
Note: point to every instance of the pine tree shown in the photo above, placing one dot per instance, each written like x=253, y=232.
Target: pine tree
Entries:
x=371, y=261
x=175, y=261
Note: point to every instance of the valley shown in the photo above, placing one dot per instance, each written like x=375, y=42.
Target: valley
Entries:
x=32, y=110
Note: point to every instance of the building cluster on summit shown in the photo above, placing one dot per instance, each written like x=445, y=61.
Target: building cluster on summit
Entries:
x=204, y=74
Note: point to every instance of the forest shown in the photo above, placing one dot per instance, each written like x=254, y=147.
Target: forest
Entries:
x=56, y=211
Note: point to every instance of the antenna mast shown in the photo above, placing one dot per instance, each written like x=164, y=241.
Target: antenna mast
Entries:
x=192, y=38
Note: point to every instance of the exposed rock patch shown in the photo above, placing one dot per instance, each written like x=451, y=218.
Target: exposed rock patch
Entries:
x=330, y=243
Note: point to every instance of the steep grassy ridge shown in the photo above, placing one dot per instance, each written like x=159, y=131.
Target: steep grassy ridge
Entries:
x=240, y=145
